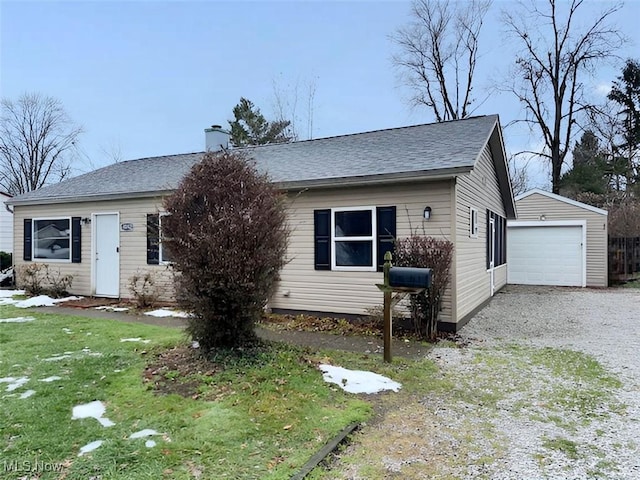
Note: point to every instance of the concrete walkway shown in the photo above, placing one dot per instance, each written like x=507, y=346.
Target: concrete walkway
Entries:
x=316, y=340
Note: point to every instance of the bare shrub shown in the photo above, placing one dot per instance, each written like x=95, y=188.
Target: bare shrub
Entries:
x=144, y=289
x=39, y=279
x=426, y=252
x=227, y=235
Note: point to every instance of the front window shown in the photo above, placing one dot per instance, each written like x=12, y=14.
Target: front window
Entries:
x=352, y=232
x=164, y=254
x=52, y=239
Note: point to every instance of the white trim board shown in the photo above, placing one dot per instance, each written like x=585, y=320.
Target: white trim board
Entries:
x=556, y=223
x=561, y=199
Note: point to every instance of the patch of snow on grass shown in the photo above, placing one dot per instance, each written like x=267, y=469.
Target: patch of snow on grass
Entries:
x=43, y=301
x=357, y=381
x=90, y=447
x=95, y=409
x=17, y=320
x=163, y=312
x=10, y=293
x=136, y=339
x=27, y=394
x=149, y=444
x=57, y=358
x=50, y=379
x=14, y=383
x=147, y=432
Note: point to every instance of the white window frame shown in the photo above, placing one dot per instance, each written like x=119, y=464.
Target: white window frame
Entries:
x=161, y=261
x=371, y=238
x=473, y=222
x=33, y=241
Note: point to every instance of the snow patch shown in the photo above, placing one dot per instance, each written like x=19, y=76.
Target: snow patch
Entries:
x=147, y=432
x=43, y=301
x=357, y=381
x=95, y=409
x=136, y=339
x=10, y=293
x=90, y=447
x=50, y=379
x=17, y=320
x=27, y=394
x=14, y=383
x=163, y=312
x=56, y=358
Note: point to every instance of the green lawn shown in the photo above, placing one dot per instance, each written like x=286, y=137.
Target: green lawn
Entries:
x=250, y=419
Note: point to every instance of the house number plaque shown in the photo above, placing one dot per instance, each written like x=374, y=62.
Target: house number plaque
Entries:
x=126, y=227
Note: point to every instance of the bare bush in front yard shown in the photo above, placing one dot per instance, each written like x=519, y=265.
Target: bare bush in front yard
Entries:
x=40, y=279
x=426, y=252
x=142, y=286
x=227, y=235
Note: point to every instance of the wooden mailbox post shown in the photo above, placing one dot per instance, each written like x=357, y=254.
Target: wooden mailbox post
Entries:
x=401, y=281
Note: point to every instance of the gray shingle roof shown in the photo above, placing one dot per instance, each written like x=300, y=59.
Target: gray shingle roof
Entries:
x=424, y=150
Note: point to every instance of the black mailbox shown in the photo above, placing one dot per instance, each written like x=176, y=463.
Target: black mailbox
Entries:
x=409, y=277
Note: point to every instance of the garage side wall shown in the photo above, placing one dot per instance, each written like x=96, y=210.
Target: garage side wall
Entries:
x=534, y=206
x=480, y=190
x=133, y=244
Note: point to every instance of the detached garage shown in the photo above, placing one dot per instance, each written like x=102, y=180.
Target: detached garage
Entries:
x=556, y=241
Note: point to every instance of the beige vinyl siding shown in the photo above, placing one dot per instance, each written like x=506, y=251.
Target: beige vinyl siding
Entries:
x=304, y=288
x=6, y=226
x=533, y=206
x=133, y=245
x=478, y=189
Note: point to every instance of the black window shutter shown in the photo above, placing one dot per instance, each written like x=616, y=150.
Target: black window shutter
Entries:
x=28, y=233
x=76, y=244
x=386, y=232
x=153, y=239
x=322, y=239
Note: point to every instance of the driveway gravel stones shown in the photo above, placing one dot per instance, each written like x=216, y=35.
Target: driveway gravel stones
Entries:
x=547, y=386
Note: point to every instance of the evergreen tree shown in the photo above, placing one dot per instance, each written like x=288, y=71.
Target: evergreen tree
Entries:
x=626, y=93
x=250, y=127
x=590, y=170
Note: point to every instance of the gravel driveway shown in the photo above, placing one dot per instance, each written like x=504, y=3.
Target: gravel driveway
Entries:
x=548, y=387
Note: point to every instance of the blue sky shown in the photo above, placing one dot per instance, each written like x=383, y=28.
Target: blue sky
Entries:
x=145, y=78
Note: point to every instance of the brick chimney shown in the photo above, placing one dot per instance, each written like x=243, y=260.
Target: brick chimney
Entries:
x=216, y=138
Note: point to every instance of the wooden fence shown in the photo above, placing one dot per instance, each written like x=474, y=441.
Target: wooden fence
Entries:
x=624, y=259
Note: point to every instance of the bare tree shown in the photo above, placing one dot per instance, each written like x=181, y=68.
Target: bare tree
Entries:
x=36, y=136
x=438, y=54
x=518, y=174
x=285, y=105
x=556, y=54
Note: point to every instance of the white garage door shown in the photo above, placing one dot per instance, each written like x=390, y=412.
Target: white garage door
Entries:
x=545, y=255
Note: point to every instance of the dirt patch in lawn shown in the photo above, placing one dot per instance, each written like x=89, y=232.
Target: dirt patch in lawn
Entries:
x=180, y=370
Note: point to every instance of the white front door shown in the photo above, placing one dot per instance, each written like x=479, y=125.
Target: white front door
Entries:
x=106, y=254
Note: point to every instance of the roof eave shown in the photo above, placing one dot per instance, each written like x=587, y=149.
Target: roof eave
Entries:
x=381, y=179
x=88, y=198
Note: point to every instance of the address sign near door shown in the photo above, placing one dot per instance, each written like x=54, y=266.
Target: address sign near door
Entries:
x=126, y=227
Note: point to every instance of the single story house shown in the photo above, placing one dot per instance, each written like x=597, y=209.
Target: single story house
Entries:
x=6, y=224
x=557, y=241
x=449, y=180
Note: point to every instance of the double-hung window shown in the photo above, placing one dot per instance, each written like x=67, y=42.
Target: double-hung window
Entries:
x=165, y=256
x=52, y=239
x=353, y=233
x=353, y=238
